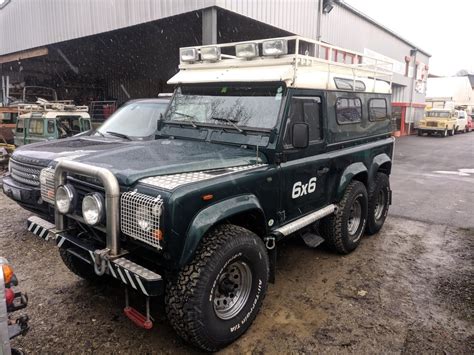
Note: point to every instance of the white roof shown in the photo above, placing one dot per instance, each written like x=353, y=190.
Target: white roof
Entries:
x=296, y=70
x=55, y=114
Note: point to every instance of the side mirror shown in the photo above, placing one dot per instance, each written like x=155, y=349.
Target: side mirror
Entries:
x=300, y=139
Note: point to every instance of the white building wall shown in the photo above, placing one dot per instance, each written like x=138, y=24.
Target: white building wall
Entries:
x=26, y=24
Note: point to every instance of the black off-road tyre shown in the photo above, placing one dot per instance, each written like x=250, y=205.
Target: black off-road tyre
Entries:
x=334, y=228
x=79, y=266
x=378, y=210
x=190, y=299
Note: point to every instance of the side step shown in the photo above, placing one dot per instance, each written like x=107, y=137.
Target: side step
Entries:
x=304, y=221
x=141, y=320
x=137, y=318
x=312, y=240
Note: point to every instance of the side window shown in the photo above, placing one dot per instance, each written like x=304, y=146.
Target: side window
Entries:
x=20, y=125
x=50, y=126
x=87, y=125
x=307, y=110
x=348, y=110
x=36, y=127
x=377, y=110
x=349, y=84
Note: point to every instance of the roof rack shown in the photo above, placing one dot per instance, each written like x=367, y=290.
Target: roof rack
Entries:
x=44, y=105
x=299, y=52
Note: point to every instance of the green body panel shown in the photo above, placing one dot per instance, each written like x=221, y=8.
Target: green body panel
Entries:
x=348, y=174
x=380, y=160
x=212, y=215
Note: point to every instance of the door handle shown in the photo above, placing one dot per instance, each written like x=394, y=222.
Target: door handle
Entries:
x=322, y=171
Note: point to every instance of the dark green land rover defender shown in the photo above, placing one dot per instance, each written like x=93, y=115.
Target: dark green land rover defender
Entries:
x=261, y=141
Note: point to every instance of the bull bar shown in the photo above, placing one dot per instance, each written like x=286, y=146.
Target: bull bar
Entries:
x=112, y=197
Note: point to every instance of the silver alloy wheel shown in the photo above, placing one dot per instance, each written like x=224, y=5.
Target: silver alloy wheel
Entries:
x=355, y=218
x=379, y=205
x=232, y=290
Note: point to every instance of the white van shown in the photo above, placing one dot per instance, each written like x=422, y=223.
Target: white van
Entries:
x=461, y=121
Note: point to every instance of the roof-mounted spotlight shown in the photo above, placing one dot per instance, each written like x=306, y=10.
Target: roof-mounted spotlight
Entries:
x=275, y=47
x=188, y=55
x=211, y=53
x=246, y=50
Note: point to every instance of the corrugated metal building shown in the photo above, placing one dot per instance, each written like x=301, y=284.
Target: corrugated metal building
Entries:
x=128, y=48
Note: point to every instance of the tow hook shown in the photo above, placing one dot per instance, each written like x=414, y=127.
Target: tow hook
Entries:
x=269, y=242
x=100, y=261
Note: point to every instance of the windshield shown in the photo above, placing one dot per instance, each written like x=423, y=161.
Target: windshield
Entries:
x=137, y=119
x=233, y=105
x=438, y=114
x=68, y=125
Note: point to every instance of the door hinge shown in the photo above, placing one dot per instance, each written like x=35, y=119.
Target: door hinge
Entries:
x=280, y=158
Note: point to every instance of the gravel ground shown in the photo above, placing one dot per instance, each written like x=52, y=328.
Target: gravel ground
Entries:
x=408, y=289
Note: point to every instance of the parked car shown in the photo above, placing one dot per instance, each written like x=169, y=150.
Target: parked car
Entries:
x=461, y=121
x=133, y=122
x=251, y=150
x=470, y=123
x=439, y=121
x=47, y=121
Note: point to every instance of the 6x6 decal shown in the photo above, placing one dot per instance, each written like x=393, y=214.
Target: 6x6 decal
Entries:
x=300, y=189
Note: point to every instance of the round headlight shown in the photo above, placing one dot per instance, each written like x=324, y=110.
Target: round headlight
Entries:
x=65, y=198
x=144, y=217
x=93, y=208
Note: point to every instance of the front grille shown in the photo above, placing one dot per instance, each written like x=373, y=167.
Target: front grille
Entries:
x=140, y=217
x=47, y=185
x=25, y=173
x=432, y=124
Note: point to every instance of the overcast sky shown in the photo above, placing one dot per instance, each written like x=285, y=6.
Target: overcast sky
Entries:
x=445, y=29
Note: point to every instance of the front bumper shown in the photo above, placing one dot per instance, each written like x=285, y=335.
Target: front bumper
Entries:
x=122, y=268
x=26, y=196
x=431, y=129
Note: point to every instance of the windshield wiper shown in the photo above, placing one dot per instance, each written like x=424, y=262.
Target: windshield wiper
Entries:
x=231, y=122
x=121, y=135
x=99, y=132
x=189, y=116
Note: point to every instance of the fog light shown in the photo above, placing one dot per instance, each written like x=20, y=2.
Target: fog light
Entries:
x=65, y=198
x=246, y=50
x=275, y=47
x=211, y=54
x=188, y=55
x=93, y=208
